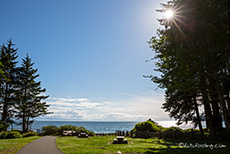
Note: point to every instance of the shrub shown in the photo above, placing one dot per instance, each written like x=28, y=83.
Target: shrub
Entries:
x=206, y=130
x=14, y=134
x=155, y=123
x=53, y=130
x=190, y=129
x=3, y=126
x=50, y=130
x=66, y=127
x=30, y=134
x=91, y=133
x=17, y=130
x=10, y=135
x=82, y=129
x=3, y=135
x=146, y=126
x=74, y=128
x=173, y=128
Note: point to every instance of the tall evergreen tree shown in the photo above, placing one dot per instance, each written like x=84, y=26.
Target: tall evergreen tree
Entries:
x=29, y=95
x=1, y=82
x=193, y=53
x=8, y=56
x=2, y=124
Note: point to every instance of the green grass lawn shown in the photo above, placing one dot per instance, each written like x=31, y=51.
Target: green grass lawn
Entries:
x=102, y=145
x=10, y=146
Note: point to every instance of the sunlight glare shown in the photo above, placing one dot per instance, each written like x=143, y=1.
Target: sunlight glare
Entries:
x=168, y=14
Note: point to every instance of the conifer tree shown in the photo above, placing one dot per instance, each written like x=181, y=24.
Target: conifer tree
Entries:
x=8, y=56
x=193, y=53
x=29, y=95
x=2, y=126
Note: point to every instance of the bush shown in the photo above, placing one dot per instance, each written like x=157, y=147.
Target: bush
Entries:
x=190, y=129
x=146, y=126
x=50, y=130
x=66, y=127
x=155, y=123
x=91, y=133
x=17, y=130
x=3, y=126
x=173, y=128
x=10, y=135
x=74, y=128
x=14, y=134
x=30, y=134
x=206, y=130
x=3, y=135
x=82, y=129
x=53, y=130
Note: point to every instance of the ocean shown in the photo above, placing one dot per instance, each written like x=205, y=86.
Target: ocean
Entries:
x=101, y=126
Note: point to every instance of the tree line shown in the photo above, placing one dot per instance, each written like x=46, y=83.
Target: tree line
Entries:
x=192, y=53
x=21, y=96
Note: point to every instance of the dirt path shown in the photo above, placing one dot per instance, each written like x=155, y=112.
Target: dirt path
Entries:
x=44, y=145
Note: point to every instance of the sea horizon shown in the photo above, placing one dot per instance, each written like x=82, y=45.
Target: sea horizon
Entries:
x=100, y=126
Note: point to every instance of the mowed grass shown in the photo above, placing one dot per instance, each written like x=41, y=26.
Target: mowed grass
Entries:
x=102, y=145
x=11, y=146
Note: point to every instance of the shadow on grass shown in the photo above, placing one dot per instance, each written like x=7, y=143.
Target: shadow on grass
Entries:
x=177, y=146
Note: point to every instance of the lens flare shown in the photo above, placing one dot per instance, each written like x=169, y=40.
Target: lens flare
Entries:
x=168, y=14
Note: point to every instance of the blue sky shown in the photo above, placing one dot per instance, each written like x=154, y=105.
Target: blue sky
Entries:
x=90, y=55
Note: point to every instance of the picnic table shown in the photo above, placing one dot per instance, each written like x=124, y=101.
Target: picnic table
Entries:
x=83, y=135
x=68, y=133
x=120, y=140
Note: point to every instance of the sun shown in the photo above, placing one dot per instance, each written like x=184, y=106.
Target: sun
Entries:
x=168, y=14
x=173, y=15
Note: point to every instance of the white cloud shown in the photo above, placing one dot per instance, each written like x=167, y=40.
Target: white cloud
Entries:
x=133, y=108
x=65, y=113
x=79, y=103
x=70, y=99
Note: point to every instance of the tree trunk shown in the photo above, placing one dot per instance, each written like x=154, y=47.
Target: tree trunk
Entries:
x=207, y=110
x=12, y=126
x=27, y=125
x=217, y=119
x=197, y=114
x=228, y=100
x=4, y=113
x=23, y=123
x=223, y=104
x=206, y=102
x=5, y=108
x=226, y=115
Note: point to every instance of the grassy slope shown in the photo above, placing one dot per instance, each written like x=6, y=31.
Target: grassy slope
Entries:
x=11, y=146
x=99, y=145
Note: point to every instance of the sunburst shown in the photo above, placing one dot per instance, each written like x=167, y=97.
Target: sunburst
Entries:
x=173, y=15
x=168, y=14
